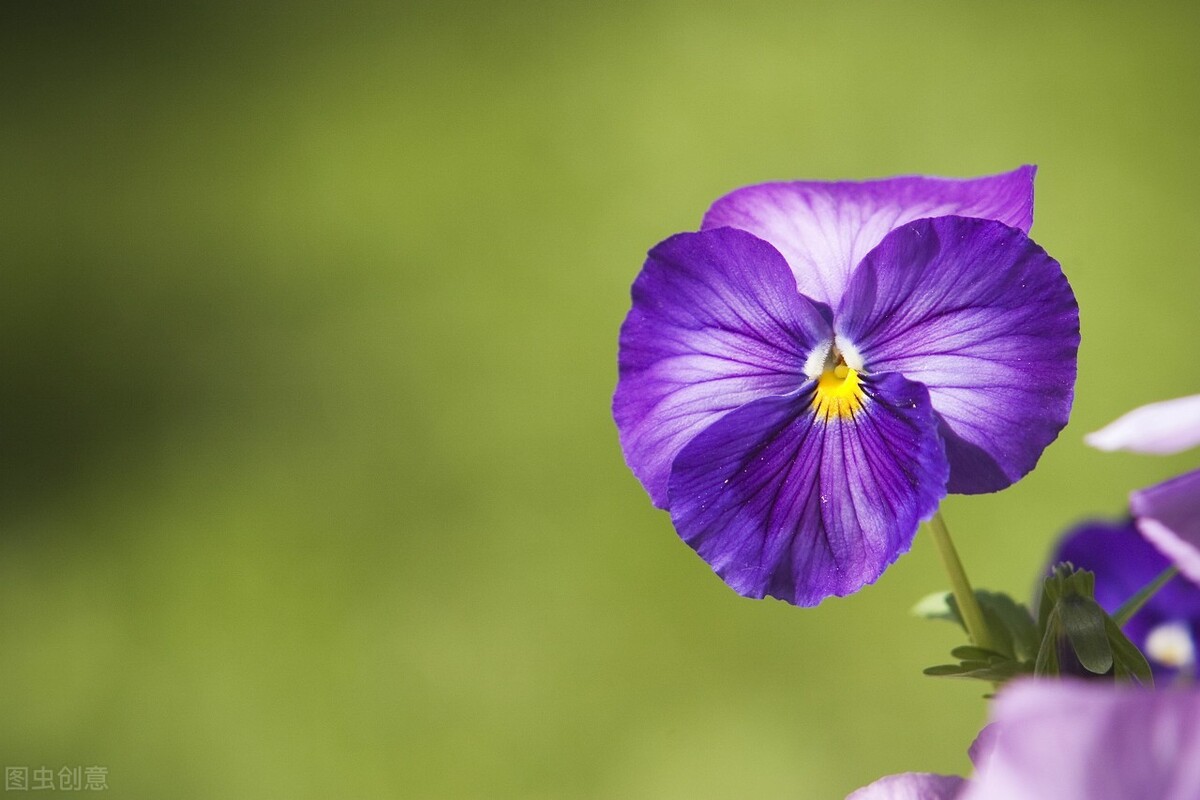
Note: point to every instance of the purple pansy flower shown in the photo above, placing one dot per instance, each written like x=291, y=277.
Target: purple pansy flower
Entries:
x=1072, y=740
x=1080, y=740
x=1168, y=513
x=803, y=380
x=1167, y=627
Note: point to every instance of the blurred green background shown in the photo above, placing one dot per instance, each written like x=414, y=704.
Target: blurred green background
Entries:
x=308, y=323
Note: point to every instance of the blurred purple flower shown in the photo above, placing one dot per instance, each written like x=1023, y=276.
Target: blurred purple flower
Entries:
x=1073, y=740
x=911, y=786
x=1168, y=514
x=1082, y=740
x=803, y=380
x=1169, y=426
x=1167, y=627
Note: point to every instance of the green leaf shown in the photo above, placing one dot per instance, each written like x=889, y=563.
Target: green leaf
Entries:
x=1046, y=664
x=971, y=653
x=1134, y=604
x=1005, y=614
x=944, y=670
x=995, y=672
x=1083, y=620
x=1012, y=628
x=1128, y=661
x=1052, y=590
x=1002, y=638
x=1068, y=610
x=1010, y=622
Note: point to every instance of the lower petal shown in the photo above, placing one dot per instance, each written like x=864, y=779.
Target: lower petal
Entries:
x=1168, y=514
x=783, y=501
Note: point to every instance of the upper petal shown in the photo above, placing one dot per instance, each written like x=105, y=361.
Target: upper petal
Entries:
x=1075, y=740
x=825, y=229
x=977, y=312
x=782, y=502
x=716, y=322
x=1168, y=514
x=1170, y=426
x=911, y=786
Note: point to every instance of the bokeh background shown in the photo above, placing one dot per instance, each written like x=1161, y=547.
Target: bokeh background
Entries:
x=308, y=323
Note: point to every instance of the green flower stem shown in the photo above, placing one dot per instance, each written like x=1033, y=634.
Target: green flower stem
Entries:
x=968, y=606
x=1134, y=604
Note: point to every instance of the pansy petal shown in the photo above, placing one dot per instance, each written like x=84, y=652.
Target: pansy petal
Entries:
x=1168, y=514
x=1170, y=426
x=783, y=502
x=825, y=229
x=1077, y=740
x=716, y=322
x=982, y=316
x=911, y=786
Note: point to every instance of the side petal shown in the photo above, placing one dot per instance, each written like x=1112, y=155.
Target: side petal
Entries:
x=1077, y=740
x=982, y=316
x=1168, y=514
x=716, y=322
x=911, y=786
x=1171, y=426
x=825, y=229
x=783, y=502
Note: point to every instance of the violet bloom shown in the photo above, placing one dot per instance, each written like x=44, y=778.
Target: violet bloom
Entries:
x=1084, y=740
x=803, y=380
x=1072, y=740
x=1168, y=514
x=1167, y=626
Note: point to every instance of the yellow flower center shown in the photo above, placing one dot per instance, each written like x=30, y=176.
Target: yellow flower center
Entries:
x=839, y=393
